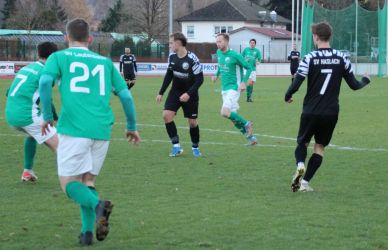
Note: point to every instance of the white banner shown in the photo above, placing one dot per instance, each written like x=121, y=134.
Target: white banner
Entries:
x=7, y=68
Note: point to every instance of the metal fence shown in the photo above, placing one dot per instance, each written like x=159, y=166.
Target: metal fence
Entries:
x=16, y=50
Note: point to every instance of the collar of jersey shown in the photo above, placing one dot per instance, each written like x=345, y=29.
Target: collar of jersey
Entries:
x=83, y=48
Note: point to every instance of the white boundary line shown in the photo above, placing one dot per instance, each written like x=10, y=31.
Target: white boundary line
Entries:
x=337, y=147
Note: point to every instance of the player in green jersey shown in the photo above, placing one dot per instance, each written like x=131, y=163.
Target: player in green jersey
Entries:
x=87, y=81
x=251, y=54
x=22, y=109
x=230, y=68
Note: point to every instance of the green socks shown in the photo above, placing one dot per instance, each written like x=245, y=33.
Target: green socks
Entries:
x=87, y=199
x=29, y=152
x=81, y=194
x=88, y=215
x=239, y=121
x=249, y=91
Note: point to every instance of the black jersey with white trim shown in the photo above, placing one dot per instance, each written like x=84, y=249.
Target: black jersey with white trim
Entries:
x=324, y=69
x=294, y=61
x=186, y=74
x=128, y=63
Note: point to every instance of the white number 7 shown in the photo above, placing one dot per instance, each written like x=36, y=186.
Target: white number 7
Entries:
x=23, y=79
x=327, y=80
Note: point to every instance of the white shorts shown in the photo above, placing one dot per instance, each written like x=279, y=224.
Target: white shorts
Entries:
x=34, y=130
x=252, y=76
x=77, y=156
x=230, y=99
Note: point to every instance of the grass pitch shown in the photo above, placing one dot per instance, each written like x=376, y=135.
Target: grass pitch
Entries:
x=234, y=197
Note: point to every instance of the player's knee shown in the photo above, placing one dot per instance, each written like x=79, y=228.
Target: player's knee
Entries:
x=319, y=149
x=168, y=117
x=225, y=112
x=193, y=123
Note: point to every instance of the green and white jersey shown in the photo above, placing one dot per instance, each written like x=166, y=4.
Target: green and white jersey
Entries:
x=230, y=67
x=23, y=96
x=86, y=84
x=251, y=55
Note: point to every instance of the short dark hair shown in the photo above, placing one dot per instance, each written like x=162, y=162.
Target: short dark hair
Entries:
x=253, y=40
x=78, y=30
x=224, y=35
x=179, y=37
x=45, y=49
x=323, y=30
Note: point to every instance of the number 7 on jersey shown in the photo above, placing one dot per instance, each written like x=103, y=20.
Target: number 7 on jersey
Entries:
x=327, y=80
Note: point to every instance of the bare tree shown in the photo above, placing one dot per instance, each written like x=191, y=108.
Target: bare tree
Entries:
x=147, y=18
x=79, y=9
x=31, y=14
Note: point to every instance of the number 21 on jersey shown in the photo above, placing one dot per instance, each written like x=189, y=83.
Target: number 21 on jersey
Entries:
x=99, y=69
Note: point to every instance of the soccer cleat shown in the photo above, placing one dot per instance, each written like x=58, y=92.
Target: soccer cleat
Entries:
x=103, y=210
x=196, y=152
x=86, y=239
x=305, y=187
x=249, y=99
x=252, y=140
x=248, y=128
x=176, y=151
x=29, y=176
x=296, y=179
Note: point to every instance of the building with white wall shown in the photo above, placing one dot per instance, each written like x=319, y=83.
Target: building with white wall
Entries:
x=224, y=16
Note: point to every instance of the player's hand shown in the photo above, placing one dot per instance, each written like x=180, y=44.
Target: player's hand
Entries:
x=242, y=87
x=288, y=99
x=366, y=75
x=45, y=127
x=250, y=81
x=133, y=137
x=184, y=98
x=214, y=78
x=158, y=98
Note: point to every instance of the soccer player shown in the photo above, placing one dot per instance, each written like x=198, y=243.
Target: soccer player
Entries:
x=85, y=122
x=251, y=54
x=230, y=67
x=294, y=61
x=22, y=109
x=185, y=72
x=128, y=67
x=324, y=68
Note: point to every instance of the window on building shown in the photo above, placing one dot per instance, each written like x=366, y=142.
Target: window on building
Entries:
x=190, y=31
x=222, y=29
x=216, y=29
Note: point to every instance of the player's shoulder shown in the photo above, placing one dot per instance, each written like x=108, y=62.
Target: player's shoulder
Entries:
x=233, y=52
x=34, y=68
x=340, y=54
x=192, y=56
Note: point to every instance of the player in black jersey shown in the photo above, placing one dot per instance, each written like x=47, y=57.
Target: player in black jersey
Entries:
x=185, y=72
x=324, y=68
x=128, y=67
x=294, y=61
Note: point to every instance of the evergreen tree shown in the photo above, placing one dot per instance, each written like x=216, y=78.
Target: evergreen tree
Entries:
x=113, y=19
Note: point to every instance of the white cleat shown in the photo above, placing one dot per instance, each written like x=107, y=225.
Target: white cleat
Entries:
x=296, y=179
x=305, y=187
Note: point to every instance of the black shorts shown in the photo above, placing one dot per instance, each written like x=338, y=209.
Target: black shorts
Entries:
x=293, y=69
x=129, y=76
x=319, y=126
x=190, y=108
